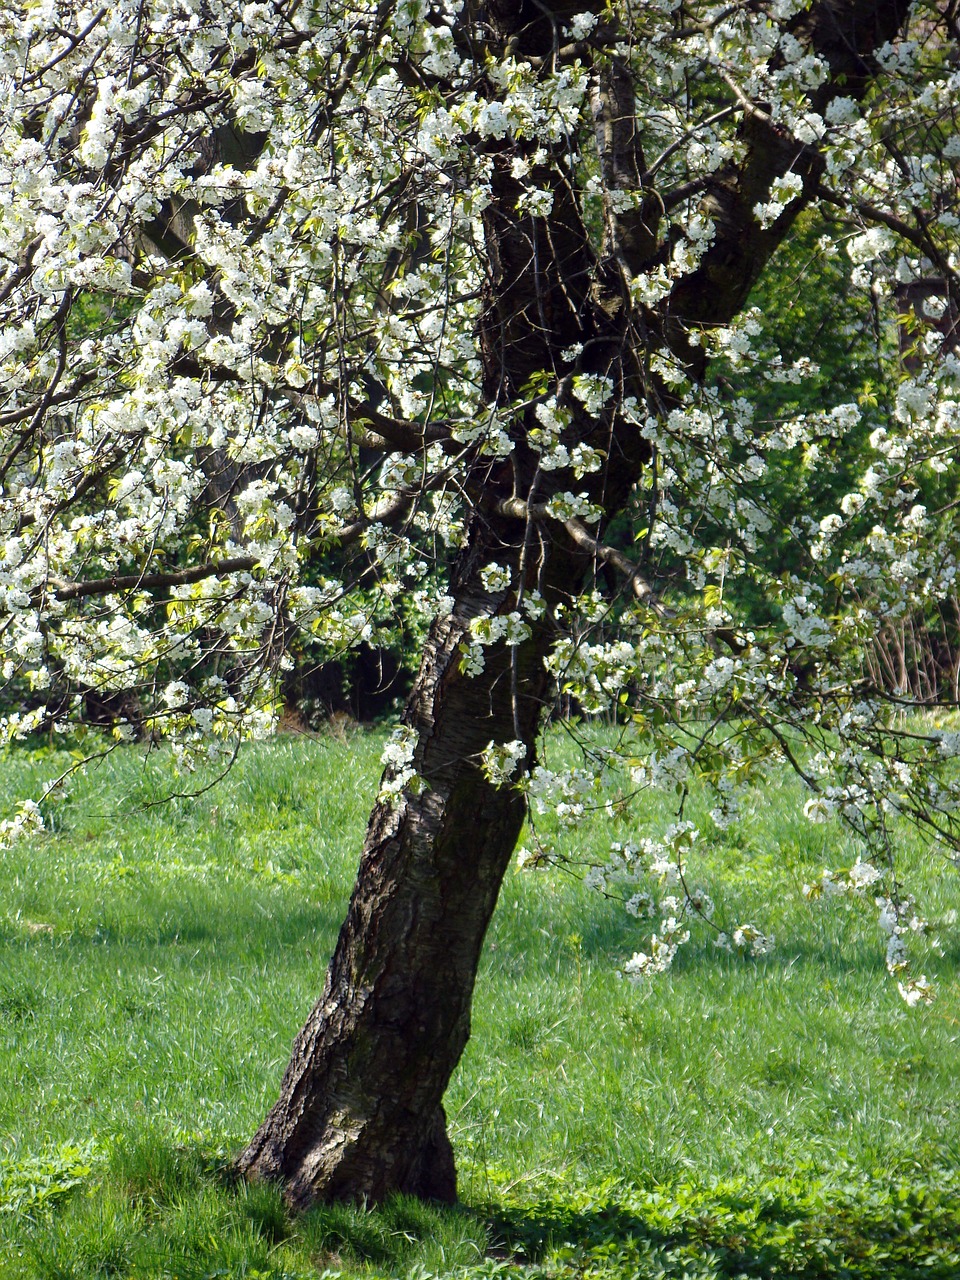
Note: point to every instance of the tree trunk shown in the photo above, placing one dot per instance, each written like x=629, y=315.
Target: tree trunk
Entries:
x=360, y=1110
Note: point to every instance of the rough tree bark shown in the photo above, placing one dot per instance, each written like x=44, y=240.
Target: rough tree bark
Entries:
x=360, y=1109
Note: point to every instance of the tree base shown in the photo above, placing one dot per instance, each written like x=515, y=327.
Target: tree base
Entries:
x=346, y=1164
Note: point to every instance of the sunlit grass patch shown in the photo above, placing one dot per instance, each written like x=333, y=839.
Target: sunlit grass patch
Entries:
x=779, y=1115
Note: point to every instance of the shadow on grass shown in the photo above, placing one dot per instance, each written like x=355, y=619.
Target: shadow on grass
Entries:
x=156, y=1208
x=160, y=1208
x=232, y=925
x=907, y=1233
x=603, y=935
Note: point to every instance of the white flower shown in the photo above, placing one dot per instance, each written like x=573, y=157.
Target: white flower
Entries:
x=747, y=937
x=537, y=202
x=176, y=693
x=581, y=25
x=28, y=821
x=567, y=505
x=863, y=874
x=595, y=879
x=592, y=391
x=198, y=301
x=500, y=763
x=397, y=757
x=870, y=245
x=841, y=111
x=533, y=605
x=889, y=917
x=203, y=718
x=851, y=503
x=296, y=373
x=787, y=188
x=818, y=809
x=29, y=646
x=495, y=578
x=492, y=122
x=896, y=953
x=917, y=991
x=303, y=437
x=341, y=501
x=399, y=749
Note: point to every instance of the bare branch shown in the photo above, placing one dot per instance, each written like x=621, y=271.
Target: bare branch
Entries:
x=538, y=511
x=390, y=515
x=610, y=555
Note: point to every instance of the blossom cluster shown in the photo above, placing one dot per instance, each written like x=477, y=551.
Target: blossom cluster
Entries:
x=246, y=259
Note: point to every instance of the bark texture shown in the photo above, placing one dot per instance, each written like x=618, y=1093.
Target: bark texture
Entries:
x=360, y=1109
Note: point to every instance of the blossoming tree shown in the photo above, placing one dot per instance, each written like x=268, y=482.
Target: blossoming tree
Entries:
x=316, y=315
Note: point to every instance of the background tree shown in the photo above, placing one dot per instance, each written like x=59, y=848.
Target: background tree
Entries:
x=430, y=293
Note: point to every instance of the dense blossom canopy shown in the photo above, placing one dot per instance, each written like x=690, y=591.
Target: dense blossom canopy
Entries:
x=244, y=408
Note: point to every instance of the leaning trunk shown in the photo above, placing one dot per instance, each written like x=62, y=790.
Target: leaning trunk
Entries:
x=360, y=1109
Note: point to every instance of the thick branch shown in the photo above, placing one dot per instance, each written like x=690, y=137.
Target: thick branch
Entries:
x=631, y=234
x=844, y=35
x=409, y=436
x=610, y=555
x=390, y=516
x=151, y=581
x=517, y=509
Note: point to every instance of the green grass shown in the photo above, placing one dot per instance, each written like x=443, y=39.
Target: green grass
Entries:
x=785, y=1116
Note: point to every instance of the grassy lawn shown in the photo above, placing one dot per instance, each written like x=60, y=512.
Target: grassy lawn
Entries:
x=780, y=1116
